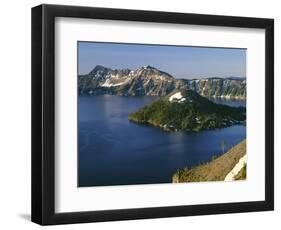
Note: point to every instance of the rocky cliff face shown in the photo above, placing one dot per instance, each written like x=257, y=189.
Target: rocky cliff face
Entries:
x=148, y=80
x=220, y=87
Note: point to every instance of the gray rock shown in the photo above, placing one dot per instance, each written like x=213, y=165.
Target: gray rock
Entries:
x=148, y=80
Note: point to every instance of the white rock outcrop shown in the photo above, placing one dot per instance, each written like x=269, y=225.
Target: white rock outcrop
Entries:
x=237, y=168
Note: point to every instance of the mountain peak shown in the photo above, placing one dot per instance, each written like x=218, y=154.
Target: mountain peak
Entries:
x=152, y=69
x=149, y=67
x=148, y=80
x=99, y=68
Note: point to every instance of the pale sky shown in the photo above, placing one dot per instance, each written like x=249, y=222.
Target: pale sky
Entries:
x=179, y=61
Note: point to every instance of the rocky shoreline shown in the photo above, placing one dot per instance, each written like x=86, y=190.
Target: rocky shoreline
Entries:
x=223, y=168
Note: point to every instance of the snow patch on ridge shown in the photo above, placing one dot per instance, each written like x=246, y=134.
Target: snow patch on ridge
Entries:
x=178, y=96
x=107, y=83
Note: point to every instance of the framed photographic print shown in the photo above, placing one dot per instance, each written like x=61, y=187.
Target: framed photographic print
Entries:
x=142, y=114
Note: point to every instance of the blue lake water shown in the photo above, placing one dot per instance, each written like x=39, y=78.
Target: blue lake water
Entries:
x=114, y=151
x=232, y=102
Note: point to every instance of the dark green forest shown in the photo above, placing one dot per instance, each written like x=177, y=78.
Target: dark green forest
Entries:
x=195, y=113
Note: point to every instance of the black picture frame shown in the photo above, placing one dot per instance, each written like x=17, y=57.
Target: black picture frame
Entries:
x=43, y=114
